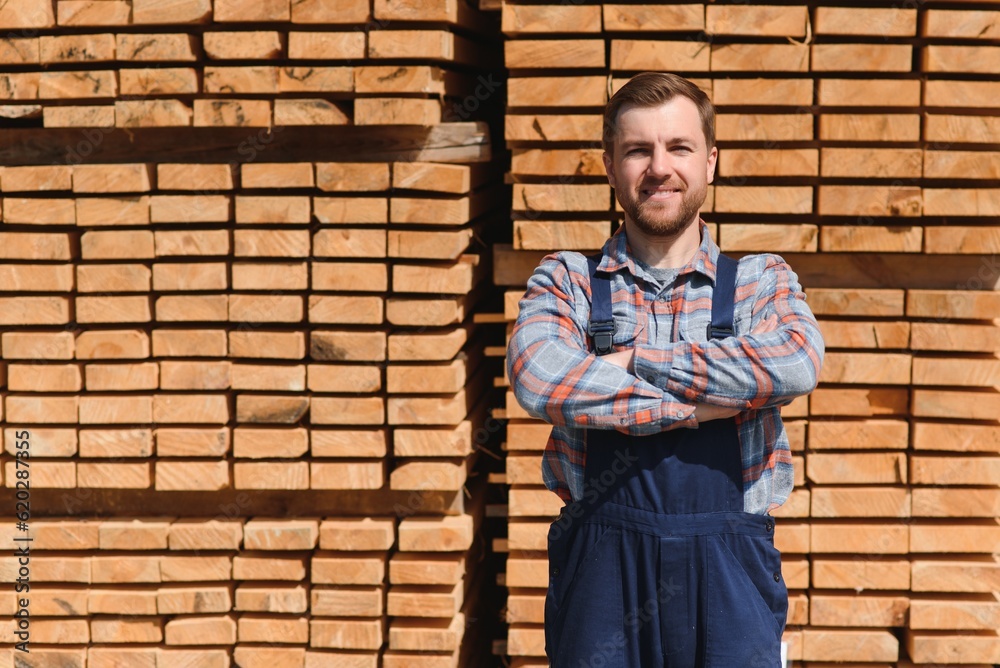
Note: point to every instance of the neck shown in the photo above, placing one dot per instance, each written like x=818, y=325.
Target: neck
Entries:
x=664, y=252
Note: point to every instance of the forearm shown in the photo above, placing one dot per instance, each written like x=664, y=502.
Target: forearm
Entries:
x=747, y=372
x=778, y=359
x=568, y=386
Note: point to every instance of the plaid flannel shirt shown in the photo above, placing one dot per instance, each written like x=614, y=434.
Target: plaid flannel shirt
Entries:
x=556, y=377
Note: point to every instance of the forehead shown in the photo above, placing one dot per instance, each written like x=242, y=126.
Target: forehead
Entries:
x=677, y=118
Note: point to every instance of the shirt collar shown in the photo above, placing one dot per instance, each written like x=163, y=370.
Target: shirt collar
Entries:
x=617, y=255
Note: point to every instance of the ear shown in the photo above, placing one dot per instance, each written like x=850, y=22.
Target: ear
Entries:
x=713, y=156
x=609, y=167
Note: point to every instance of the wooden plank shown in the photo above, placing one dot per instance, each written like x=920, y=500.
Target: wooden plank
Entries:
x=857, y=610
x=942, y=470
x=849, y=645
x=443, y=245
x=551, y=127
x=865, y=238
x=764, y=199
x=882, y=22
x=943, y=93
x=955, y=503
x=554, y=53
x=760, y=57
x=856, y=302
x=955, y=337
x=768, y=237
x=859, y=402
x=555, y=162
x=956, y=404
x=634, y=54
x=862, y=57
x=859, y=538
x=446, y=409
x=875, y=368
x=531, y=19
x=952, y=129
x=448, y=142
x=870, y=127
x=444, y=210
x=858, y=200
x=256, y=45
x=962, y=202
x=559, y=197
x=859, y=468
x=970, y=536
x=956, y=372
x=432, y=378
x=397, y=111
x=428, y=475
x=860, y=92
x=761, y=91
x=962, y=574
x=769, y=162
x=759, y=20
x=877, y=574
x=858, y=434
x=428, y=45
x=900, y=163
x=441, y=11
x=685, y=17
x=765, y=127
x=971, y=59
x=554, y=91
x=882, y=501
x=560, y=235
x=970, y=304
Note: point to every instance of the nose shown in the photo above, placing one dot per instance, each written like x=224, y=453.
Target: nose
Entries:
x=660, y=165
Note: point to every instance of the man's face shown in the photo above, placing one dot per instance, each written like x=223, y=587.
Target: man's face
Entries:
x=661, y=166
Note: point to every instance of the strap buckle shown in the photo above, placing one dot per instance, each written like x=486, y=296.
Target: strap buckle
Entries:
x=602, y=331
x=719, y=332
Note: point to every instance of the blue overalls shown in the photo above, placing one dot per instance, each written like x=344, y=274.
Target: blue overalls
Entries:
x=658, y=566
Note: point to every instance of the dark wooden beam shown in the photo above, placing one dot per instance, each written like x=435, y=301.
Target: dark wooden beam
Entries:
x=447, y=142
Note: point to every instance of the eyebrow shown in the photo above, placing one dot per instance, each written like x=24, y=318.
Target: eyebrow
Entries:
x=674, y=140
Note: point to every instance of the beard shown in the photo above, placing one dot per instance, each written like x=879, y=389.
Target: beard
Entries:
x=662, y=219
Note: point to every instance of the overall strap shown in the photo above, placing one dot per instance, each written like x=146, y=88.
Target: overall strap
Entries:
x=723, y=299
x=601, y=327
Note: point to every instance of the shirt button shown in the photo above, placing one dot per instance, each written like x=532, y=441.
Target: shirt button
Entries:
x=650, y=379
x=555, y=571
x=777, y=577
x=680, y=414
x=769, y=526
x=624, y=420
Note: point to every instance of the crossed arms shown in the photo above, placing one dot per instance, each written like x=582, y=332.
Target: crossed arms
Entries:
x=650, y=389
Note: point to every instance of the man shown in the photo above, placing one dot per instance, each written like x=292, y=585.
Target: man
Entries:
x=661, y=365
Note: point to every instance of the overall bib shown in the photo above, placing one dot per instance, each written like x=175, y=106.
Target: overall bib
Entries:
x=658, y=566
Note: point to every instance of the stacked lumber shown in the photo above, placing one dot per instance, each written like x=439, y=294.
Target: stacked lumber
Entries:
x=890, y=537
x=207, y=306
x=264, y=328
x=205, y=63
x=250, y=592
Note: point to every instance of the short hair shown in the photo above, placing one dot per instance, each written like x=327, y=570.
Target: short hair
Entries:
x=651, y=89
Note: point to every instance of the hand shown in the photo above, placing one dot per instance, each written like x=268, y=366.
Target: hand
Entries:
x=622, y=358
x=706, y=412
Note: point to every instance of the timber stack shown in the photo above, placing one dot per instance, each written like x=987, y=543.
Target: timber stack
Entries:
x=860, y=144
x=241, y=247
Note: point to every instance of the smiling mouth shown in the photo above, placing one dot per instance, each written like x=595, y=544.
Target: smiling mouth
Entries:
x=660, y=193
